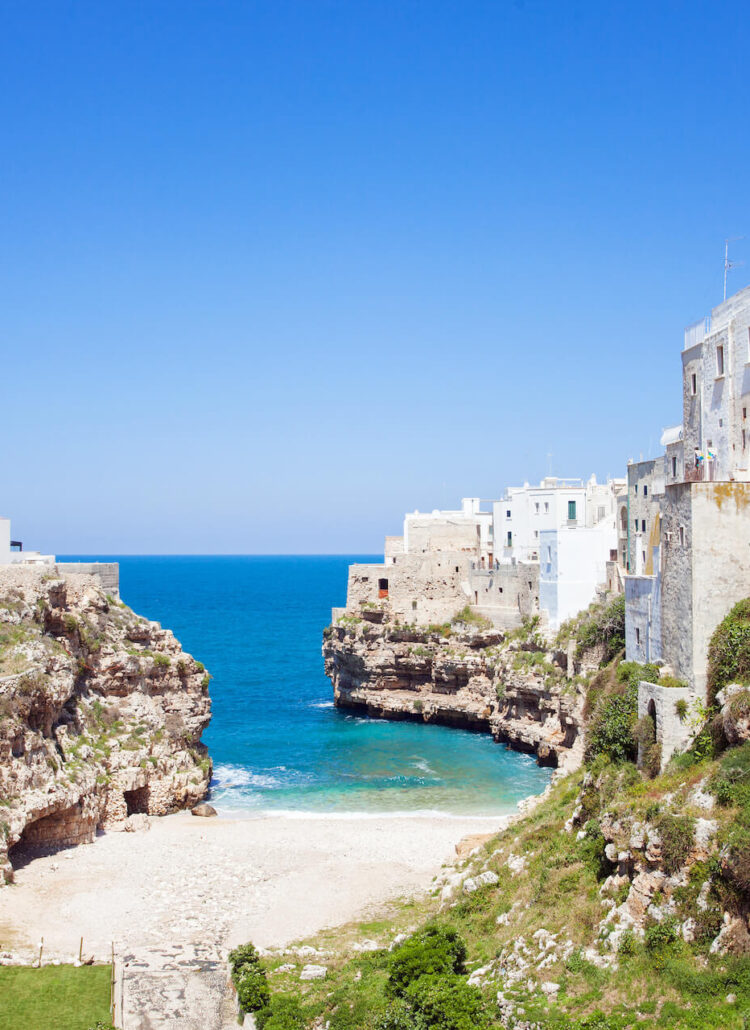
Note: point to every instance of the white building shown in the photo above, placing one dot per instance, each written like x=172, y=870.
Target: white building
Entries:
x=570, y=529
x=12, y=552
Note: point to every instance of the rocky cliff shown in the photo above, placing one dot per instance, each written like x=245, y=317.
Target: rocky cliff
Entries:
x=460, y=674
x=101, y=714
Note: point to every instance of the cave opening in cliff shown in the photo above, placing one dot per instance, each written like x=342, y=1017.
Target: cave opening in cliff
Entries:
x=137, y=801
x=54, y=832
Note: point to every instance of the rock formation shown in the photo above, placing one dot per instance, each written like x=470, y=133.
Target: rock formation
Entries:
x=101, y=714
x=465, y=675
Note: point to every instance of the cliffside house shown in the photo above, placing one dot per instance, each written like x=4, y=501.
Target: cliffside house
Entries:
x=688, y=511
x=542, y=550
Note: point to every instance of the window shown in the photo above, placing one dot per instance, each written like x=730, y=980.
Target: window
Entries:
x=693, y=384
x=643, y=525
x=682, y=536
x=546, y=507
x=636, y=525
x=536, y=534
x=721, y=423
x=645, y=490
x=571, y=511
x=636, y=489
x=536, y=507
x=507, y=513
x=637, y=635
x=510, y=539
x=744, y=412
x=719, y=361
x=674, y=468
x=744, y=439
x=382, y=588
x=549, y=552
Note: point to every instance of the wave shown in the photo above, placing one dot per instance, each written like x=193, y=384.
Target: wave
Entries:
x=227, y=777
x=321, y=704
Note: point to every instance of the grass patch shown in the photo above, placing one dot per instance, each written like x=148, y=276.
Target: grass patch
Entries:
x=62, y=997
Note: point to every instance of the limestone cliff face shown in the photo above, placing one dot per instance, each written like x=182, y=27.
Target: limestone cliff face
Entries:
x=101, y=714
x=459, y=676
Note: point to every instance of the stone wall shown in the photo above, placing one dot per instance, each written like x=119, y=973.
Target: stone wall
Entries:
x=672, y=732
x=107, y=573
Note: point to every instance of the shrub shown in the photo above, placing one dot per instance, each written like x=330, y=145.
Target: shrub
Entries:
x=470, y=618
x=283, y=1012
x=601, y=623
x=446, y=1003
x=681, y=708
x=610, y=730
x=161, y=661
x=660, y=936
x=729, y=650
x=628, y=944
x=677, y=833
x=249, y=978
x=434, y=950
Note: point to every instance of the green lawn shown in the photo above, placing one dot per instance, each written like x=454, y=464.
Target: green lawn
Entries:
x=59, y=997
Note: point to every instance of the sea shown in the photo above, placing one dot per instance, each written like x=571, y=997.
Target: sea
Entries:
x=278, y=744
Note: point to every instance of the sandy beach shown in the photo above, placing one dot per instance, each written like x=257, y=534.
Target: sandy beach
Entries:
x=199, y=886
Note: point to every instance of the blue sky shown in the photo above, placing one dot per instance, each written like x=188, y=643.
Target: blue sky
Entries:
x=273, y=273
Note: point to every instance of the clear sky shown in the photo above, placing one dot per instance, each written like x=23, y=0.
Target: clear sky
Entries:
x=273, y=273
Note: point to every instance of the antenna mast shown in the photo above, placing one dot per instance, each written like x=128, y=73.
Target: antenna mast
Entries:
x=727, y=263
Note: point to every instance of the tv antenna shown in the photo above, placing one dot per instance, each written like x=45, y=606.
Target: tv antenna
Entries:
x=727, y=263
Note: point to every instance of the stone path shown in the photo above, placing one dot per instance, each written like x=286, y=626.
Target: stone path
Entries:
x=166, y=988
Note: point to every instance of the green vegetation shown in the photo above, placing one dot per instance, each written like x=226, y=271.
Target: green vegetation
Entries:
x=249, y=978
x=467, y=617
x=729, y=650
x=162, y=661
x=62, y=997
x=601, y=623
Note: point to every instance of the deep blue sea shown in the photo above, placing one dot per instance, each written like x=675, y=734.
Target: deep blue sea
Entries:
x=277, y=742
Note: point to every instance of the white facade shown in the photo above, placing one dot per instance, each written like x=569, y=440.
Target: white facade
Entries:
x=528, y=511
x=573, y=563
x=11, y=553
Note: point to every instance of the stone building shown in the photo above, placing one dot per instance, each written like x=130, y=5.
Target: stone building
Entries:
x=689, y=510
x=446, y=560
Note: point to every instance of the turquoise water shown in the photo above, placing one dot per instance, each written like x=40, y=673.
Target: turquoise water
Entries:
x=277, y=742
